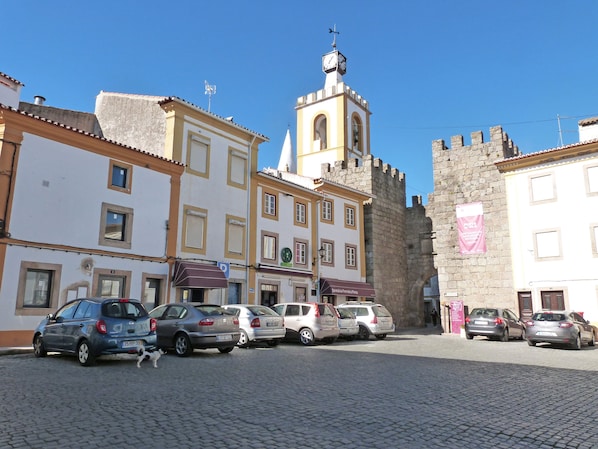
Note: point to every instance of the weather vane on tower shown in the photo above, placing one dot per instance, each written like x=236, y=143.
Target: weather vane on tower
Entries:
x=210, y=90
x=333, y=31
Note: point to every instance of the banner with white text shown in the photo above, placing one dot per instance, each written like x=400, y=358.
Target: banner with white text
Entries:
x=470, y=225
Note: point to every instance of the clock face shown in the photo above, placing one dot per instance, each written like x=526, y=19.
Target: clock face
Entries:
x=342, y=65
x=286, y=255
x=329, y=61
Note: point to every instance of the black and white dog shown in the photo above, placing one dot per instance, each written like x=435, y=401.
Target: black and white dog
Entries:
x=149, y=354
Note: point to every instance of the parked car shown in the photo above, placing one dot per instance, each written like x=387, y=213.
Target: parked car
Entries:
x=564, y=327
x=347, y=324
x=309, y=321
x=258, y=324
x=91, y=327
x=494, y=323
x=191, y=325
x=373, y=319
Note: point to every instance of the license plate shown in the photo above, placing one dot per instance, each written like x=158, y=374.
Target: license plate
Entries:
x=270, y=324
x=131, y=344
x=546, y=334
x=226, y=337
x=481, y=322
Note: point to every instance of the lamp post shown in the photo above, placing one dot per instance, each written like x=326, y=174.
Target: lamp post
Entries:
x=321, y=254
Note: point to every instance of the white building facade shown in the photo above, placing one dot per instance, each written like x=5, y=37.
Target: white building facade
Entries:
x=81, y=216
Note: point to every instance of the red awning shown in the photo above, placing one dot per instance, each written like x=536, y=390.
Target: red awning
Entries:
x=198, y=275
x=346, y=288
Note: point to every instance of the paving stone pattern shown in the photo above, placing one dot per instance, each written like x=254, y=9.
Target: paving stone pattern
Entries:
x=409, y=391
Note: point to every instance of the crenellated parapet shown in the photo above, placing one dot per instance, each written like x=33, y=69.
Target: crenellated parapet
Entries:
x=499, y=146
x=322, y=94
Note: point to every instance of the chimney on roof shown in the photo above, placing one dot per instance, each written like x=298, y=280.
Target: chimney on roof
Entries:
x=39, y=100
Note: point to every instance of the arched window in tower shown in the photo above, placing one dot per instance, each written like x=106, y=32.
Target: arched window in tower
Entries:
x=320, y=133
x=356, y=133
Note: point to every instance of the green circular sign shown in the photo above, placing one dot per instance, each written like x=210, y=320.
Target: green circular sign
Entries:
x=286, y=255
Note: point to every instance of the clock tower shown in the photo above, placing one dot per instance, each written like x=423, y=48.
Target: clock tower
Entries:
x=333, y=124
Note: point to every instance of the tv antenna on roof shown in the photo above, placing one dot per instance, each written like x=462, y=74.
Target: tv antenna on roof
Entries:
x=210, y=90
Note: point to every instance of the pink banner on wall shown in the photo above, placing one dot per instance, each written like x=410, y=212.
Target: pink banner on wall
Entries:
x=457, y=316
x=470, y=225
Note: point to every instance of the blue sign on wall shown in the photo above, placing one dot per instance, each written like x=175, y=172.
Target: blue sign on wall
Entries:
x=225, y=267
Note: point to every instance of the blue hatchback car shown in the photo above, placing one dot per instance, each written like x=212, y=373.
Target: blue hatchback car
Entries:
x=91, y=327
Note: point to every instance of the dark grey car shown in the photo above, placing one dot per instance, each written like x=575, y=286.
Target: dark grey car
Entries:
x=189, y=326
x=494, y=323
x=90, y=327
x=563, y=327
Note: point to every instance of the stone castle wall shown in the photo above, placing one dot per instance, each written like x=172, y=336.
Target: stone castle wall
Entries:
x=386, y=227
x=467, y=174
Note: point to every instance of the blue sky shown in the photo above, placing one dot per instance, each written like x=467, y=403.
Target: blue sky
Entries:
x=429, y=69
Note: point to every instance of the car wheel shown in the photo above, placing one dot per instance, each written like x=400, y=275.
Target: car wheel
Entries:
x=226, y=350
x=39, y=350
x=505, y=335
x=531, y=342
x=272, y=343
x=381, y=336
x=182, y=345
x=592, y=341
x=243, y=339
x=306, y=336
x=577, y=343
x=469, y=336
x=364, y=333
x=84, y=354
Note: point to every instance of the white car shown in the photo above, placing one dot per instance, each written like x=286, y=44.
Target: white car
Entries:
x=257, y=324
x=309, y=321
x=347, y=324
x=373, y=319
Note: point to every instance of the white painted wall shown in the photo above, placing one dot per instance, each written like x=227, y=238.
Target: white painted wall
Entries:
x=10, y=91
x=573, y=213
x=59, y=193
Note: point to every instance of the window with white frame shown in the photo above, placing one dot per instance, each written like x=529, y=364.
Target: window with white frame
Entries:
x=328, y=257
x=547, y=244
x=237, y=168
x=269, y=205
x=235, y=236
x=300, y=252
x=300, y=213
x=198, y=155
x=327, y=210
x=349, y=216
x=592, y=180
x=350, y=256
x=594, y=230
x=269, y=244
x=195, y=229
x=116, y=226
x=542, y=188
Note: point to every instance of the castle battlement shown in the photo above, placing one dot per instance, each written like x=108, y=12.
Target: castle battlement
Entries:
x=375, y=166
x=497, y=137
x=331, y=91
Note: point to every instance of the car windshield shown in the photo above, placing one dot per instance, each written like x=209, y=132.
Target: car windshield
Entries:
x=344, y=313
x=262, y=311
x=488, y=313
x=381, y=311
x=543, y=316
x=213, y=310
x=123, y=309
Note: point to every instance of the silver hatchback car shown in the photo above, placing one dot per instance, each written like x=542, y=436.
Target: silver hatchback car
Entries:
x=258, y=324
x=563, y=327
x=309, y=321
x=373, y=319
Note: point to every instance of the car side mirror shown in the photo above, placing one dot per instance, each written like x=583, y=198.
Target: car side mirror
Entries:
x=50, y=316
